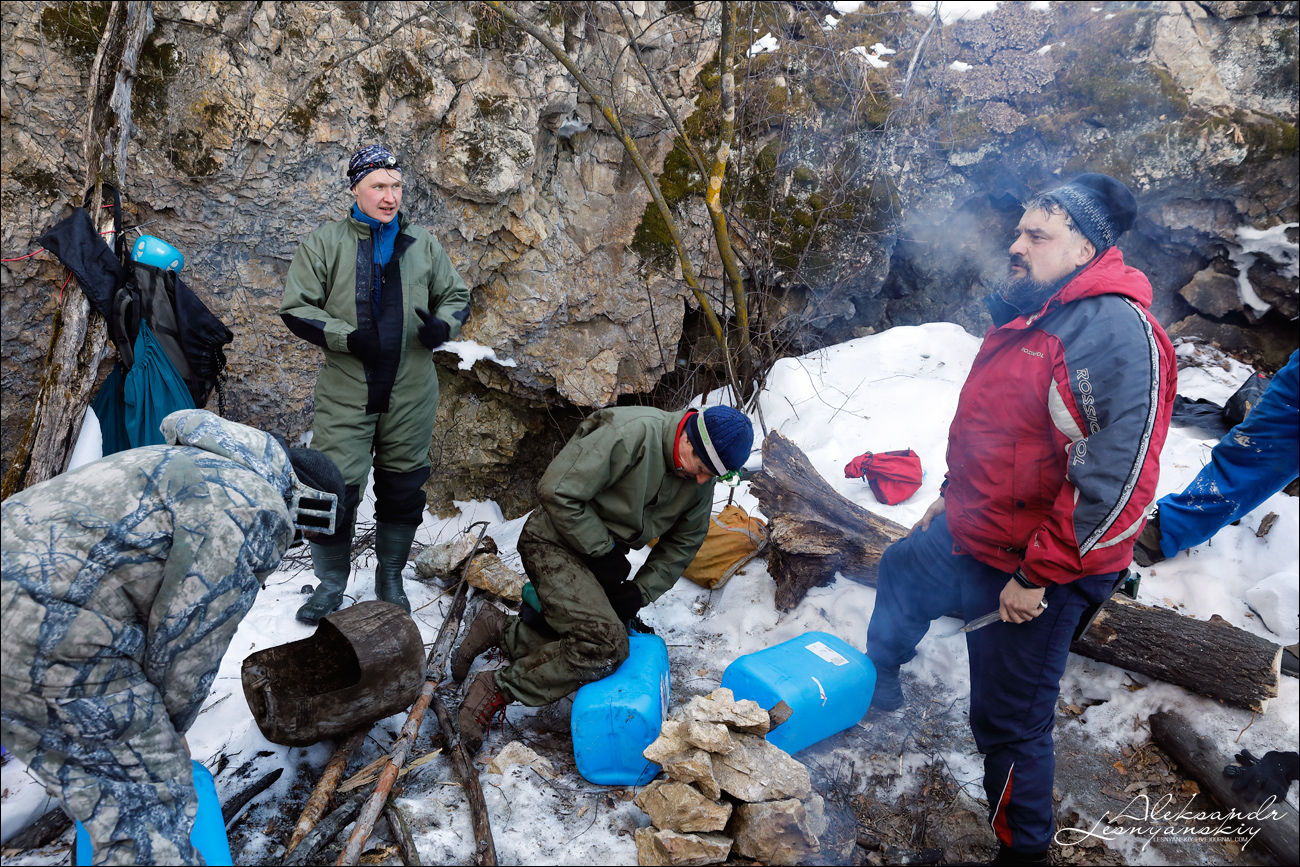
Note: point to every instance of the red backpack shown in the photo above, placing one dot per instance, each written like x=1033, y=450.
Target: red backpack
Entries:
x=893, y=476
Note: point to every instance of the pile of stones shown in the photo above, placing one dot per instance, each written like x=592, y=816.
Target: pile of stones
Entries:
x=728, y=790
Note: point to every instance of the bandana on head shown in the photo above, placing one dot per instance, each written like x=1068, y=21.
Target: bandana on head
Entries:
x=371, y=158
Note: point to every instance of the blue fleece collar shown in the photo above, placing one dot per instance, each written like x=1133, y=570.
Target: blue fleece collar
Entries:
x=385, y=234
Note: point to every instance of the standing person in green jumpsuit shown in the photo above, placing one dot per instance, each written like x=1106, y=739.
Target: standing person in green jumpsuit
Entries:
x=377, y=294
x=628, y=476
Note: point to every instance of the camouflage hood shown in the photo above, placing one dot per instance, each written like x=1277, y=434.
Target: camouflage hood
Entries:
x=249, y=447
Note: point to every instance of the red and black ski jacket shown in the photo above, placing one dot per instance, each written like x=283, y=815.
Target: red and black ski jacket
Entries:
x=1054, y=453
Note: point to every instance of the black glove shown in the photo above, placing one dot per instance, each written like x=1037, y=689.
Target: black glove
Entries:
x=434, y=332
x=625, y=598
x=365, y=345
x=610, y=569
x=1259, y=778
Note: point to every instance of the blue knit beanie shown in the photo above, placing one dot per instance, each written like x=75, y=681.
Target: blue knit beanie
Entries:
x=1102, y=207
x=730, y=437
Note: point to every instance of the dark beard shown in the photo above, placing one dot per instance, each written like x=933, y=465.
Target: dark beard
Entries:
x=1025, y=294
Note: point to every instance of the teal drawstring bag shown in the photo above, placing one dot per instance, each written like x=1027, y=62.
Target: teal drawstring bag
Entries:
x=132, y=405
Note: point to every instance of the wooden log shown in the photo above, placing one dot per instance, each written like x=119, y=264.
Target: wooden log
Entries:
x=1278, y=826
x=230, y=810
x=320, y=796
x=402, y=832
x=41, y=832
x=1211, y=657
x=813, y=532
x=485, y=850
x=435, y=667
x=325, y=831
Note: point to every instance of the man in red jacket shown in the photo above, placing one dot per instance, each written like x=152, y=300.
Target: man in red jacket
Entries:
x=1053, y=458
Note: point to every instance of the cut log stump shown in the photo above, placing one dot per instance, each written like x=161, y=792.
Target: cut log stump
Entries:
x=814, y=532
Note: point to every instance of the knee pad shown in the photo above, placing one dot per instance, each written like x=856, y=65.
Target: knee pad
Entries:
x=399, y=497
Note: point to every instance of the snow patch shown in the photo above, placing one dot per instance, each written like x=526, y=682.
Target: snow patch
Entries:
x=1271, y=244
x=763, y=45
x=951, y=11
x=871, y=58
x=1274, y=600
x=470, y=352
x=958, y=66
x=90, y=442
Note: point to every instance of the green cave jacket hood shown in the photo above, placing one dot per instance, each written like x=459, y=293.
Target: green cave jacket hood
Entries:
x=614, y=482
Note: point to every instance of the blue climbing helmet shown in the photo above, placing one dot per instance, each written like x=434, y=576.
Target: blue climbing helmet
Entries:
x=158, y=253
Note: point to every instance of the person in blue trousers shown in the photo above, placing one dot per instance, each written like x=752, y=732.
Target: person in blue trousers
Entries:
x=1253, y=461
x=1053, y=458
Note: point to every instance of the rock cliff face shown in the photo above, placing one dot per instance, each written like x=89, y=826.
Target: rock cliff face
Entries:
x=246, y=114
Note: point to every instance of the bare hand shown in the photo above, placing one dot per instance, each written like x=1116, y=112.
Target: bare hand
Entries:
x=1019, y=604
x=935, y=510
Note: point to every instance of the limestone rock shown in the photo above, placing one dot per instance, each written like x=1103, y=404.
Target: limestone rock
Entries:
x=681, y=807
x=487, y=572
x=777, y=832
x=515, y=753
x=655, y=847
x=720, y=706
x=710, y=737
x=443, y=563
x=1213, y=293
x=693, y=766
x=758, y=771
x=669, y=743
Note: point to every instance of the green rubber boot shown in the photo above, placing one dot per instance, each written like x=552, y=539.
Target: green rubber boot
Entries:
x=332, y=565
x=392, y=549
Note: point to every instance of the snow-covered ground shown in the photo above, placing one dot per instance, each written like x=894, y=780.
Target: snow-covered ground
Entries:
x=888, y=391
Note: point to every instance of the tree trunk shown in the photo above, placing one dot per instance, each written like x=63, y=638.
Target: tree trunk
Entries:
x=80, y=339
x=813, y=532
x=1278, y=827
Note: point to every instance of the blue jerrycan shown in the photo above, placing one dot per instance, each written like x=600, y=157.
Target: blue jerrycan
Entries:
x=825, y=681
x=208, y=834
x=615, y=719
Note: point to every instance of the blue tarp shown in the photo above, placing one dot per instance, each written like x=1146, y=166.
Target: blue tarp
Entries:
x=131, y=404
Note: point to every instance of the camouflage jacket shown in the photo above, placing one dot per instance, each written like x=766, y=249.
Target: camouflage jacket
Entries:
x=141, y=565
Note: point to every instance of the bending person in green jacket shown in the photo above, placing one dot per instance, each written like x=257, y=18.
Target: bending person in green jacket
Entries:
x=377, y=294
x=628, y=476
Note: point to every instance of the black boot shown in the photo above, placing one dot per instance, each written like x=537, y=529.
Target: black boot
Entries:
x=1007, y=855
x=332, y=565
x=1146, y=550
x=392, y=549
x=888, y=695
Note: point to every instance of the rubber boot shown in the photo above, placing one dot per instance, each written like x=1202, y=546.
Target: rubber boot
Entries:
x=332, y=565
x=392, y=549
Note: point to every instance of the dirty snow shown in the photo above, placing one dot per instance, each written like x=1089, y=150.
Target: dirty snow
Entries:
x=893, y=390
